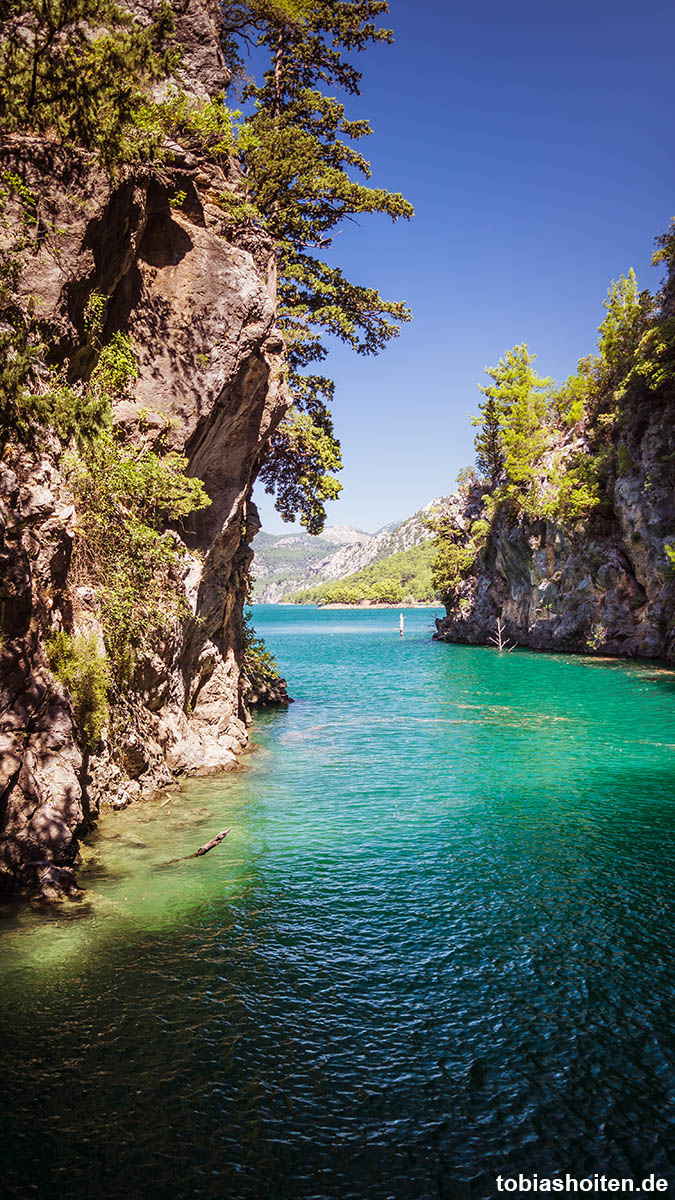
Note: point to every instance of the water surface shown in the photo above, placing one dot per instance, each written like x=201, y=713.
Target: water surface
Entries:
x=435, y=947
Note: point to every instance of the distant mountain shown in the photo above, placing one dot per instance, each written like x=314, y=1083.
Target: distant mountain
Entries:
x=401, y=578
x=388, y=528
x=284, y=562
x=292, y=563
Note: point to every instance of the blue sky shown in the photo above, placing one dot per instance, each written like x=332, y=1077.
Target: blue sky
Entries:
x=536, y=142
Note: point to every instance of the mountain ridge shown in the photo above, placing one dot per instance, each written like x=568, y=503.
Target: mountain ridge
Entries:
x=279, y=575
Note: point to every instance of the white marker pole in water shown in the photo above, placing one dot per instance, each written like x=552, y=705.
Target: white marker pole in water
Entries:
x=401, y=621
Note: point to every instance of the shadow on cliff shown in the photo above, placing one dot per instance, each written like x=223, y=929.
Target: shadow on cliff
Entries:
x=162, y=243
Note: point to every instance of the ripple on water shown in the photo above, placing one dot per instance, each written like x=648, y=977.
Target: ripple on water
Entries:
x=435, y=947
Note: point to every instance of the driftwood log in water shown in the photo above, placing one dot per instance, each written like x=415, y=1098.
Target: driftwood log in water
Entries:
x=215, y=841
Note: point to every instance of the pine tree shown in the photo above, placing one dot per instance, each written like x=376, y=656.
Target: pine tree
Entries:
x=299, y=162
x=628, y=313
x=298, y=167
x=518, y=395
x=489, y=441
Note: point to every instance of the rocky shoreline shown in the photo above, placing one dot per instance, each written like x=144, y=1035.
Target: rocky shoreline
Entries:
x=365, y=604
x=603, y=586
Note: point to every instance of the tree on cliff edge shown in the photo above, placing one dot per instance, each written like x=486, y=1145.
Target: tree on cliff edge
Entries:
x=517, y=396
x=301, y=170
x=488, y=442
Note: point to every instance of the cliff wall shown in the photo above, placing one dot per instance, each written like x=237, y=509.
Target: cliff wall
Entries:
x=603, y=585
x=202, y=320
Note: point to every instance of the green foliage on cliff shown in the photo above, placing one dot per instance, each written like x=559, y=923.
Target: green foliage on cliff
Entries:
x=628, y=314
x=26, y=411
x=576, y=487
x=126, y=497
x=205, y=127
x=556, y=452
x=33, y=396
x=489, y=444
x=259, y=666
x=84, y=672
x=595, y=394
x=512, y=435
x=524, y=416
x=455, y=552
x=79, y=70
x=451, y=563
x=393, y=580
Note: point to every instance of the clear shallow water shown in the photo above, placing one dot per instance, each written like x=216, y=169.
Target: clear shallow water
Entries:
x=435, y=948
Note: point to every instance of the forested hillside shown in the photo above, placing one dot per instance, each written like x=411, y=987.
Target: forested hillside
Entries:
x=403, y=578
x=284, y=562
x=294, y=566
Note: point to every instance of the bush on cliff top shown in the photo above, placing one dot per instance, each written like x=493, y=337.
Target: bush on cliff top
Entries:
x=80, y=69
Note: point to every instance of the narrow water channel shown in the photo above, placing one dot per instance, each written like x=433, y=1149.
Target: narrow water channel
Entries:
x=435, y=948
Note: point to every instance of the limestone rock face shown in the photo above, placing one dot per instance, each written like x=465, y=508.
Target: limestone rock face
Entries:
x=202, y=71
x=604, y=587
x=42, y=802
x=203, y=323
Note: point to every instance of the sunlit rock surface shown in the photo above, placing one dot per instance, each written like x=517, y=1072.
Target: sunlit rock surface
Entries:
x=602, y=586
x=203, y=322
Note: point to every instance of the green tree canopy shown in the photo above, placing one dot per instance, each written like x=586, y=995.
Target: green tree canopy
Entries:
x=300, y=163
x=628, y=312
x=488, y=442
x=517, y=396
x=299, y=465
x=302, y=166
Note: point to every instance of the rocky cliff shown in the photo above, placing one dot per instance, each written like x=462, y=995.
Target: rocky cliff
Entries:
x=602, y=585
x=202, y=319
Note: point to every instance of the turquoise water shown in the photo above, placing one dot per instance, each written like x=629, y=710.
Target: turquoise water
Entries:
x=434, y=949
